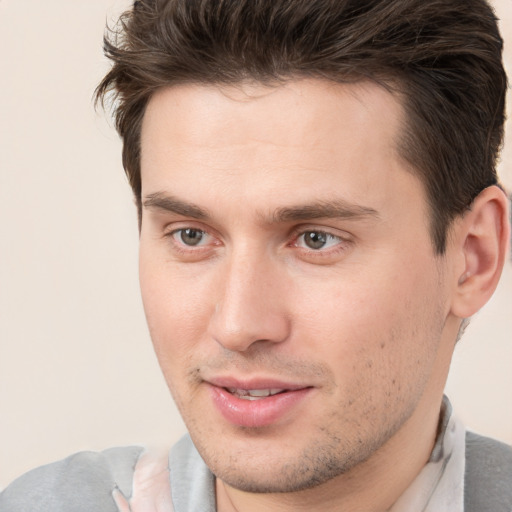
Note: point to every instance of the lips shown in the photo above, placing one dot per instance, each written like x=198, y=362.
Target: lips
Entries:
x=258, y=403
x=254, y=394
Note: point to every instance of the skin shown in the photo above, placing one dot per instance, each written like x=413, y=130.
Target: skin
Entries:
x=366, y=321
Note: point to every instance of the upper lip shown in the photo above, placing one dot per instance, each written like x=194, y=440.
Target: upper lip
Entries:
x=229, y=382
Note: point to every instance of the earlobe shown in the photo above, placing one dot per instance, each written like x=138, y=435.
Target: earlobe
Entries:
x=482, y=240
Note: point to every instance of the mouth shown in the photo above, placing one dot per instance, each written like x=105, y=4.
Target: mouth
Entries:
x=254, y=394
x=259, y=403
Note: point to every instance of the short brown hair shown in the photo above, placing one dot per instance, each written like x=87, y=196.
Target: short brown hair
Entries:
x=443, y=56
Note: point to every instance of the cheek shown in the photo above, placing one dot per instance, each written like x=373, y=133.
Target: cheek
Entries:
x=377, y=326
x=176, y=311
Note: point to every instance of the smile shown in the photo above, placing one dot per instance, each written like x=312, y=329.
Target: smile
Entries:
x=254, y=394
x=257, y=406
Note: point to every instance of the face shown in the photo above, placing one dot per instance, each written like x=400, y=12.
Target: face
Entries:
x=288, y=277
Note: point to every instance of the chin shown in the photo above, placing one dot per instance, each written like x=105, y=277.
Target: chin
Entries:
x=267, y=485
x=275, y=471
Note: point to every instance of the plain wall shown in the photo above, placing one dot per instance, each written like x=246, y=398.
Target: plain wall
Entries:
x=77, y=369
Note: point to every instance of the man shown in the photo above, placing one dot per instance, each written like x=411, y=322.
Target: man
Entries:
x=319, y=216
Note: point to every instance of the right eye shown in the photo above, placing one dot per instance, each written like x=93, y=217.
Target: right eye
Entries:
x=190, y=237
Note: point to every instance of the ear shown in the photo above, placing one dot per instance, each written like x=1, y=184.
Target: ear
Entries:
x=481, y=239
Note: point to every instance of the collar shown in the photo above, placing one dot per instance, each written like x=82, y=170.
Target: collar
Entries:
x=439, y=487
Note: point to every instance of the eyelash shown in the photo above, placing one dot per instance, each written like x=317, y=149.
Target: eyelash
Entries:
x=184, y=249
x=341, y=245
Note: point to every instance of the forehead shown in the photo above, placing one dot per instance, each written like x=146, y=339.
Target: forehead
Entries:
x=310, y=138
x=192, y=113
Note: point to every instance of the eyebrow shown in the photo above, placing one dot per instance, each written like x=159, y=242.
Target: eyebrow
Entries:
x=161, y=201
x=336, y=209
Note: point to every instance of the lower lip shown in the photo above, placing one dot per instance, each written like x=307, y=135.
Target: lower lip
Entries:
x=256, y=413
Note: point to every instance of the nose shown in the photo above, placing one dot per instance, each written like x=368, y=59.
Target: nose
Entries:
x=251, y=304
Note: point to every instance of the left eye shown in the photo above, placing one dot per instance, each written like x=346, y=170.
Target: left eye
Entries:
x=190, y=236
x=317, y=240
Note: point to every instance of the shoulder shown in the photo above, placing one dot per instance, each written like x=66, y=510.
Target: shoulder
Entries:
x=192, y=482
x=488, y=475
x=82, y=482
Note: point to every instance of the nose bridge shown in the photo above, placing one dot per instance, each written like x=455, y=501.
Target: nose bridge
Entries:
x=249, y=304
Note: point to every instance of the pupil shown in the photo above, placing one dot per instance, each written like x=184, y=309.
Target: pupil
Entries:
x=315, y=240
x=191, y=236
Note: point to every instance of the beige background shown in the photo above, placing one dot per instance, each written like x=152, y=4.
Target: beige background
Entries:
x=76, y=366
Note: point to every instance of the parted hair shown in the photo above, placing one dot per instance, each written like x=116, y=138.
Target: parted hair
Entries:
x=443, y=58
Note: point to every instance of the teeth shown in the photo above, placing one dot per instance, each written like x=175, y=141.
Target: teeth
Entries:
x=254, y=394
